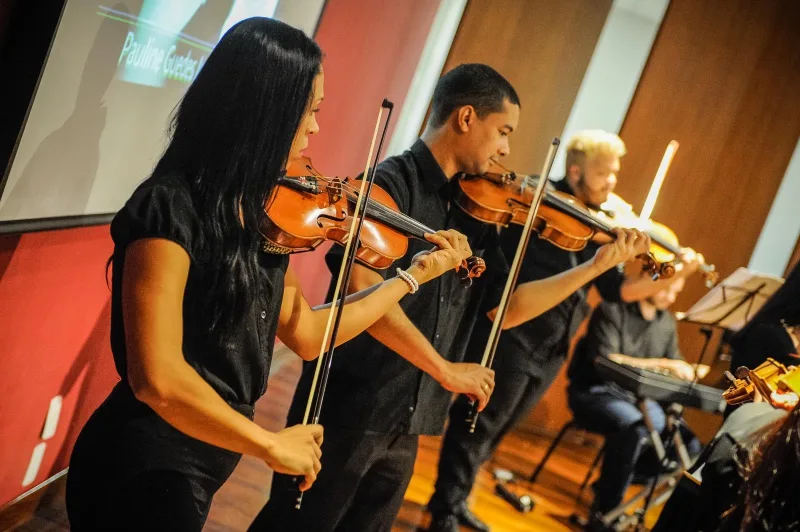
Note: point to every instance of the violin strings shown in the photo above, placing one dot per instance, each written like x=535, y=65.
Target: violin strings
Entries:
x=390, y=215
x=574, y=210
x=568, y=207
x=403, y=221
x=414, y=227
x=602, y=225
x=375, y=207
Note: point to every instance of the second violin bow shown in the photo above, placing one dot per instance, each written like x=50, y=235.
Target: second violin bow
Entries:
x=511, y=281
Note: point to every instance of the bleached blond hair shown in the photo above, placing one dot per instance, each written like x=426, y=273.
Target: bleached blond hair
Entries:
x=590, y=143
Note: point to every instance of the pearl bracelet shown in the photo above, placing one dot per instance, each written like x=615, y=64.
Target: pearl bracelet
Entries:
x=409, y=279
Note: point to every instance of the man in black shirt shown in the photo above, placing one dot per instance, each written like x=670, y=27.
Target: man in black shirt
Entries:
x=534, y=342
x=377, y=403
x=641, y=334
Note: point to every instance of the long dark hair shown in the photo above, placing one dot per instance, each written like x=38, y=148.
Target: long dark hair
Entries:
x=230, y=138
x=771, y=478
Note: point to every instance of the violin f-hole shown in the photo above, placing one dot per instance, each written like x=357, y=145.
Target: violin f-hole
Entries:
x=330, y=217
x=515, y=203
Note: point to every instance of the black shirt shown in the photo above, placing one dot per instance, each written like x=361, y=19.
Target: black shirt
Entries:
x=621, y=328
x=530, y=345
x=163, y=208
x=761, y=340
x=371, y=387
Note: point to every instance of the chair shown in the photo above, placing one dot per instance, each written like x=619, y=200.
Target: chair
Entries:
x=525, y=503
x=569, y=425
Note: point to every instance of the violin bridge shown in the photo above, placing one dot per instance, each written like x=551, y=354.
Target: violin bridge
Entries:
x=335, y=190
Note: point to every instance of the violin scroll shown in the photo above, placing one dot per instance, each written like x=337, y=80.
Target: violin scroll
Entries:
x=471, y=268
x=656, y=270
x=667, y=270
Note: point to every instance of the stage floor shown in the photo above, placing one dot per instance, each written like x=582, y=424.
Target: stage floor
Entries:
x=239, y=500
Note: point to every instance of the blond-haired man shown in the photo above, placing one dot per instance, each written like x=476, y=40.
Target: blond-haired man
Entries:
x=533, y=345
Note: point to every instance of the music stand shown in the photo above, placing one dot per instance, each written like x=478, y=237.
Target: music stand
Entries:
x=731, y=304
x=734, y=301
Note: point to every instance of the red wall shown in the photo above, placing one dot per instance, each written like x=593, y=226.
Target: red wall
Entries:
x=54, y=304
x=54, y=321
x=371, y=48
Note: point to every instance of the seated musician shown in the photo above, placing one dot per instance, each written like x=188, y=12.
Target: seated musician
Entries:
x=641, y=333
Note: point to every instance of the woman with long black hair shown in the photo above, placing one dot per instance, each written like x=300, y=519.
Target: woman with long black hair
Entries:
x=770, y=474
x=196, y=304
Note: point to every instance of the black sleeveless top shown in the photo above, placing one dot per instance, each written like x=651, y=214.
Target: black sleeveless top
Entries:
x=163, y=207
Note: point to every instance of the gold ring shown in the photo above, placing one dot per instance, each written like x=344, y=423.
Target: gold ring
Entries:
x=484, y=387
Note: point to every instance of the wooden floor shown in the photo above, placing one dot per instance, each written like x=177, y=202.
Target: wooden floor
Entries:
x=239, y=500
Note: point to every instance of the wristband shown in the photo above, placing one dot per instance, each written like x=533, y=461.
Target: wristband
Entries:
x=409, y=279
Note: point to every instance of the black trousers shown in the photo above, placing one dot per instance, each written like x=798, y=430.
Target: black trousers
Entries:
x=462, y=453
x=130, y=470
x=605, y=410
x=360, y=487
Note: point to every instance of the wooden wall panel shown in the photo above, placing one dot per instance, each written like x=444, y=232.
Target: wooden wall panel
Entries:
x=542, y=47
x=723, y=79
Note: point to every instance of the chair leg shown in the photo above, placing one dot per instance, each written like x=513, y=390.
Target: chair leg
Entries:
x=550, y=450
x=589, y=473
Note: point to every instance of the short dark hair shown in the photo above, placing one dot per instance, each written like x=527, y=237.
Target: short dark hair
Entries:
x=473, y=84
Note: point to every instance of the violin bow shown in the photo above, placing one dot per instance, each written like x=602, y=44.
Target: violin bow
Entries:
x=511, y=281
x=325, y=358
x=655, y=188
x=650, y=203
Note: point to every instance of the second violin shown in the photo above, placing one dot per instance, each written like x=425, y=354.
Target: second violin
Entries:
x=502, y=197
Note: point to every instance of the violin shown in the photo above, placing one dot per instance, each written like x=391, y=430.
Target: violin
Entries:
x=665, y=246
x=306, y=208
x=502, y=197
x=778, y=385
